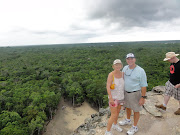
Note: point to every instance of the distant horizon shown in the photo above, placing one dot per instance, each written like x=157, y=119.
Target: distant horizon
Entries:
x=26, y=45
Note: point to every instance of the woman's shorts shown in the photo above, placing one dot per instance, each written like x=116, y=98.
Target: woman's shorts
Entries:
x=132, y=101
x=170, y=90
x=116, y=103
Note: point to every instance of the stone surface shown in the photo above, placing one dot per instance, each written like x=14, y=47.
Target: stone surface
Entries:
x=152, y=121
x=149, y=106
x=159, y=89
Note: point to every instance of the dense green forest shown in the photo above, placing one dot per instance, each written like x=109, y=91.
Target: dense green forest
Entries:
x=33, y=79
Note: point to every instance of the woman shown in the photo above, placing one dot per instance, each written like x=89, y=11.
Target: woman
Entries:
x=115, y=90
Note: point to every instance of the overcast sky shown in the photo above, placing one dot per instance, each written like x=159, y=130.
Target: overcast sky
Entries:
x=32, y=22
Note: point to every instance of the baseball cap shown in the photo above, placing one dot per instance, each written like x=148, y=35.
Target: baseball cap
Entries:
x=117, y=61
x=130, y=55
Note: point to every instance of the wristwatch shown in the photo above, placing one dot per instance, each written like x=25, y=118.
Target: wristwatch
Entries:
x=144, y=96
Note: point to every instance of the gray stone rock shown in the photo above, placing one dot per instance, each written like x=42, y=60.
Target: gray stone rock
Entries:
x=92, y=132
x=94, y=115
x=80, y=128
x=88, y=120
x=159, y=89
x=90, y=126
x=121, y=114
x=96, y=119
x=150, y=107
x=103, y=111
x=151, y=93
x=102, y=124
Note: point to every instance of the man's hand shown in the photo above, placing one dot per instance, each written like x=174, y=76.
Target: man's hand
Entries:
x=177, y=86
x=141, y=101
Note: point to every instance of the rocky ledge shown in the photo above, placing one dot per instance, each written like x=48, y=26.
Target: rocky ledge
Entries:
x=152, y=120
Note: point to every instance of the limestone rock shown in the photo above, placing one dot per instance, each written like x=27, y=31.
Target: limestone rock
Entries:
x=98, y=122
x=150, y=107
x=159, y=89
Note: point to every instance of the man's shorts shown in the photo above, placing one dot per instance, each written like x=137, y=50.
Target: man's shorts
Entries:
x=132, y=100
x=116, y=103
x=170, y=90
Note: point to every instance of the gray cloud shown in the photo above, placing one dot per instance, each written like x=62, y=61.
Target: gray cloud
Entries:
x=133, y=13
x=68, y=34
x=75, y=34
x=36, y=32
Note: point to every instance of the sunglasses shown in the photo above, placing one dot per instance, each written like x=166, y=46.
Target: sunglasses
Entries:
x=130, y=72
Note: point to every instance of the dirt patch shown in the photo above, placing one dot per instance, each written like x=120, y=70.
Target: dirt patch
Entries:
x=68, y=118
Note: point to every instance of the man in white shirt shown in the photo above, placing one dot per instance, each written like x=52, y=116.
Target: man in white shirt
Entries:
x=135, y=91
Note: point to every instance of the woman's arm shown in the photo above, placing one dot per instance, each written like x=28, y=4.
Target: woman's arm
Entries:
x=109, y=82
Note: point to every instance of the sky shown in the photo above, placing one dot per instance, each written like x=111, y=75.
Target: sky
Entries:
x=38, y=22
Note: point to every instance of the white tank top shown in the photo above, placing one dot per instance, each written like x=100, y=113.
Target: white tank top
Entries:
x=118, y=92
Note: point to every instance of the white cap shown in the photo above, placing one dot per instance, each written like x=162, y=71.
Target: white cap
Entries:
x=130, y=55
x=117, y=61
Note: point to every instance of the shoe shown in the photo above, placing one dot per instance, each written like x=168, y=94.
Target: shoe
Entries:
x=125, y=122
x=108, y=133
x=132, y=131
x=117, y=128
x=161, y=107
x=177, y=112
